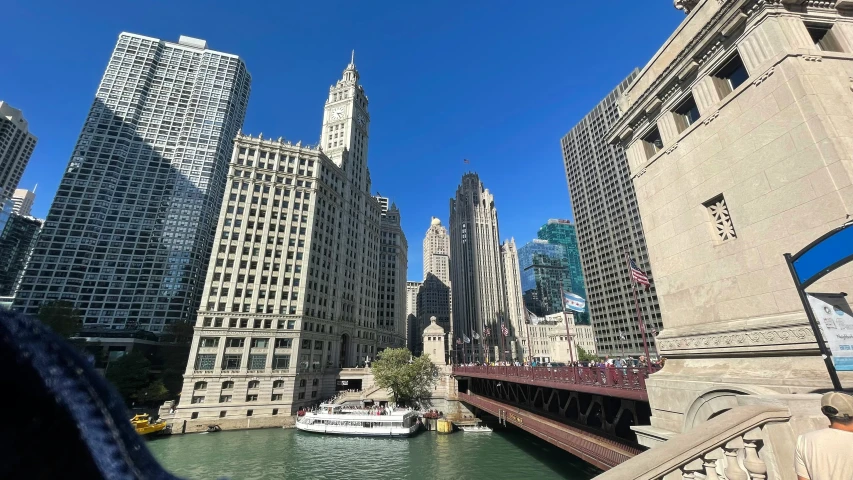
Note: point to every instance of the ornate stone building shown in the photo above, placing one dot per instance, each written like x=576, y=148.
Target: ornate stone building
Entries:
x=437, y=251
x=293, y=286
x=737, y=135
x=514, y=315
x=476, y=270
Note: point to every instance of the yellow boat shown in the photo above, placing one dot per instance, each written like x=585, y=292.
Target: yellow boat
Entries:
x=143, y=425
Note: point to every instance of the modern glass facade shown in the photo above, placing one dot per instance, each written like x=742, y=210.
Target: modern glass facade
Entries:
x=562, y=232
x=129, y=233
x=543, y=275
x=16, y=241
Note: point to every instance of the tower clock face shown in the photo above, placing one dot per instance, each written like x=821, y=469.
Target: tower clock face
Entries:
x=338, y=113
x=361, y=119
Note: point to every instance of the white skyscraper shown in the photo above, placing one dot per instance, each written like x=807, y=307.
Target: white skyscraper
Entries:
x=437, y=251
x=515, y=302
x=16, y=147
x=393, y=265
x=22, y=201
x=477, y=277
x=302, y=267
x=129, y=233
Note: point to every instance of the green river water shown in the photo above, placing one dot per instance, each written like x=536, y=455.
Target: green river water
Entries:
x=289, y=454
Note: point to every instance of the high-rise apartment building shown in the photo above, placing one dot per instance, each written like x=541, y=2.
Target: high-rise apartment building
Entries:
x=393, y=265
x=608, y=225
x=130, y=231
x=514, y=316
x=16, y=147
x=22, y=201
x=412, y=334
x=543, y=276
x=293, y=287
x=563, y=232
x=437, y=252
x=477, y=278
x=16, y=242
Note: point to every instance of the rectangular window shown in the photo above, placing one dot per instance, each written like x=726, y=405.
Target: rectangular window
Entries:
x=686, y=113
x=197, y=400
x=730, y=76
x=276, y=397
x=824, y=38
x=248, y=413
x=318, y=344
x=260, y=343
x=225, y=399
x=251, y=398
x=283, y=343
x=306, y=344
x=234, y=342
x=301, y=395
x=222, y=414
x=275, y=410
x=209, y=342
x=314, y=394
x=231, y=362
x=257, y=362
x=280, y=362
x=291, y=324
x=652, y=143
x=205, y=361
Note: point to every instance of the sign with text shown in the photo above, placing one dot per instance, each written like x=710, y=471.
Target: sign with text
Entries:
x=836, y=321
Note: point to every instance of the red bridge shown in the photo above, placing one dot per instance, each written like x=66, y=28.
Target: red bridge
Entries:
x=587, y=411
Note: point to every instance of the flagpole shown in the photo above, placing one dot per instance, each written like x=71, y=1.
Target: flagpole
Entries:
x=527, y=317
x=637, y=305
x=503, y=338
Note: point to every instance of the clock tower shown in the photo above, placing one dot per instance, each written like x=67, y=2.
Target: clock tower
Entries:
x=346, y=126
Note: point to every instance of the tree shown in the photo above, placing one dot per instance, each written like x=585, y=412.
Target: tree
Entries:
x=409, y=379
x=61, y=317
x=154, y=393
x=584, y=356
x=130, y=375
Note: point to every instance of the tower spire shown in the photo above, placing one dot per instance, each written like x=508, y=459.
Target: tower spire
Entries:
x=352, y=59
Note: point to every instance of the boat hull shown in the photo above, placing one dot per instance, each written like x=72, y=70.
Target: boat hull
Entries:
x=393, y=432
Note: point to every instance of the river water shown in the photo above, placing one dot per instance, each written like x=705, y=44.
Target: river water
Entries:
x=289, y=454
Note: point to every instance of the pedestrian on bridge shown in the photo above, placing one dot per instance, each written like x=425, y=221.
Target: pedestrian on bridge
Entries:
x=828, y=454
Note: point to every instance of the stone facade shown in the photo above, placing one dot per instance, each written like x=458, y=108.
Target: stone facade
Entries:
x=393, y=265
x=292, y=290
x=737, y=134
x=477, y=276
x=548, y=341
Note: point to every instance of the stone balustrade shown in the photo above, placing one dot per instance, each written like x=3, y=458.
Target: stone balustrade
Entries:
x=731, y=446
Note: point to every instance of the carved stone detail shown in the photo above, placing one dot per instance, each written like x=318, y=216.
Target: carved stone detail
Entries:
x=764, y=76
x=775, y=336
x=672, y=148
x=711, y=118
x=812, y=58
x=685, y=5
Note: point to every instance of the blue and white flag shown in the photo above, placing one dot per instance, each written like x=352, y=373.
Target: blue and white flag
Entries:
x=574, y=302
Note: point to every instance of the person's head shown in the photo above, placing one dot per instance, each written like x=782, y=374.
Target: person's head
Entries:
x=838, y=408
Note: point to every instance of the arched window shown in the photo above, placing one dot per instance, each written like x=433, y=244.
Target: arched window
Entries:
x=302, y=383
x=200, y=385
x=227, y=385
x=254, y=384
x=278, y=384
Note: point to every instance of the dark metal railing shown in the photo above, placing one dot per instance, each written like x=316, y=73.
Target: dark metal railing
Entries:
x=624, y=378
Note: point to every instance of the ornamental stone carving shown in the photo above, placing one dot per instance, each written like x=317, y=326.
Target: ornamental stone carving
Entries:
x=776, y=336
x=685, y=5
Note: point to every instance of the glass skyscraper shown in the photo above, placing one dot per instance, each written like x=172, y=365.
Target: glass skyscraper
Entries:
x=543, y=275
x=562, y=232
x=129, y=233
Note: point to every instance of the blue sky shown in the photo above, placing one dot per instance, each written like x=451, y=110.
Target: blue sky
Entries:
x=497, y=82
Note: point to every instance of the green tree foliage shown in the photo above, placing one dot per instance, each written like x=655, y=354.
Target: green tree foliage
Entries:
x=61, y=317
x=585, y=356
x=154, y=393
x=130, y=375
x=409, y=379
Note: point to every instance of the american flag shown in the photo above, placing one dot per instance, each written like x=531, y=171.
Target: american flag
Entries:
x=504, y=330
x=465, y=160
x=638, y=275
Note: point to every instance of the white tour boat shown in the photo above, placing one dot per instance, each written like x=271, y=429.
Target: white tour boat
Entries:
x=479, y=428
x=341, y=420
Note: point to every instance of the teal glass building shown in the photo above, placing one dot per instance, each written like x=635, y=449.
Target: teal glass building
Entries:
x=563, y=233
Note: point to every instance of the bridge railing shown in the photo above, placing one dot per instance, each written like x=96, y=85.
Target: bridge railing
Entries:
x=611, y=377
x=727, y=447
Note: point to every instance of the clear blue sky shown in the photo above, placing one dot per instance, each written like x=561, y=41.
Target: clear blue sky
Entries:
x=497, y=82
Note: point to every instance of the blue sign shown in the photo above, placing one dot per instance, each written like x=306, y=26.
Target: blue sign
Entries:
x=824, y=255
